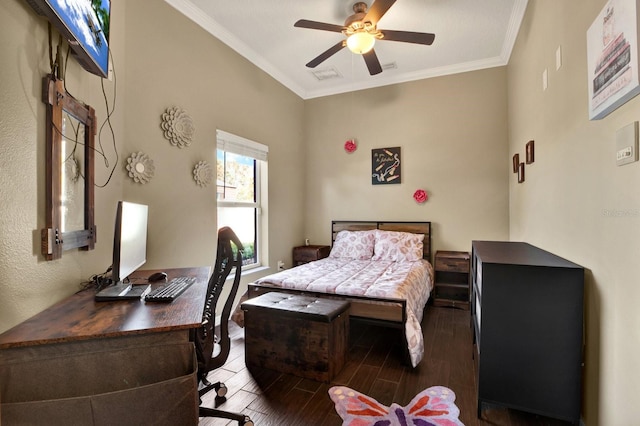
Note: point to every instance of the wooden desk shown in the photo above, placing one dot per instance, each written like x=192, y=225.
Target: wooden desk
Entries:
x=74, y=349
x=80, y=317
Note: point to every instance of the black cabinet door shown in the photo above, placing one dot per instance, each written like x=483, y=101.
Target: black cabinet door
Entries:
x=530, y=334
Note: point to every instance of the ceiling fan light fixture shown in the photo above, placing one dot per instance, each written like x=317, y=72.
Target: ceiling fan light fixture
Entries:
x=360, y=42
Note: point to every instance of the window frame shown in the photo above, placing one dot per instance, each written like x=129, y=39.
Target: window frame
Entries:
x=230, y=143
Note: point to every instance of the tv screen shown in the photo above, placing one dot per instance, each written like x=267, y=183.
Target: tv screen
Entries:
x=85, y=25
x=129, y=240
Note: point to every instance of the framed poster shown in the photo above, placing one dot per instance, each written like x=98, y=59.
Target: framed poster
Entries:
x=385, y=166
x=612, y=58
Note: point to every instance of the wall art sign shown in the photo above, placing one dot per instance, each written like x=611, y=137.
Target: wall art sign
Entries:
x=385, y=166
x=612, y=58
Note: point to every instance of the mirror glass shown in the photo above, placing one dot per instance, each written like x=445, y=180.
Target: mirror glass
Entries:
x=72, y=176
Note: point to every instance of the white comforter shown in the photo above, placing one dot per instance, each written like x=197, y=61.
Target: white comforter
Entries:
x=411, y=281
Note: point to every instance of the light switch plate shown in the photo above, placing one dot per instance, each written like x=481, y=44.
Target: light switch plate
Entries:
x=627, y=144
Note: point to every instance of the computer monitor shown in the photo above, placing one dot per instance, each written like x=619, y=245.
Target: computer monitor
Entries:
x=129, y=240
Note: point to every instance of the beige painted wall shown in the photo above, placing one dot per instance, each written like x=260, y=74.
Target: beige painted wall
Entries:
x=186, y=67
x=166, y=61
x=575, y=201
x=453, y=135
x=29, y=284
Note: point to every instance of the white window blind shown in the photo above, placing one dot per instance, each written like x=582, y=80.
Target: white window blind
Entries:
x=238, y=145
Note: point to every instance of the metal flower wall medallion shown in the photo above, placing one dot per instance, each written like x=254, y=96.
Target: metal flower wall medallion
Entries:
x=178, y=127
x=202, y=173
x=140, y=167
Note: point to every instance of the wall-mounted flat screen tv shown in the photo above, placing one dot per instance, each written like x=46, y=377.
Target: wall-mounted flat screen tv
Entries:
x=85, y=25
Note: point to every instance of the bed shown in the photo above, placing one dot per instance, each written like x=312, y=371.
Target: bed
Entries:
x=382, y=268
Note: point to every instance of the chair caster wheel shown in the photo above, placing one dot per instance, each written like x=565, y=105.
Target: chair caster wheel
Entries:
x=221, y=390
x=247, y=421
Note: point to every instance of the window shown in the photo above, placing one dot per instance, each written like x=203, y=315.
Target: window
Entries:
x=241, y=167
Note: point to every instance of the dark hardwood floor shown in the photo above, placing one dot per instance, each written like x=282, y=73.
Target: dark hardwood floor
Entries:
x=374, y=368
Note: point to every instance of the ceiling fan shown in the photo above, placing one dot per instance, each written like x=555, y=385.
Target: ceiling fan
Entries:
x=362, y=32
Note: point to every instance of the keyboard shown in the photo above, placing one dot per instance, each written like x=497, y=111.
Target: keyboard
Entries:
x=167, y=293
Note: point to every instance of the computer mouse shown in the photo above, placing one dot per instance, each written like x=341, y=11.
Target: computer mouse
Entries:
x=157, y=276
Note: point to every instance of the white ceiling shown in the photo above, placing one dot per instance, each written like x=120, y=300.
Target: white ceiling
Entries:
x=470, y=35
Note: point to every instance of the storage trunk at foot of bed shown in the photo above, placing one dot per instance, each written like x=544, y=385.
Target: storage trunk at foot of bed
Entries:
x=300, y=335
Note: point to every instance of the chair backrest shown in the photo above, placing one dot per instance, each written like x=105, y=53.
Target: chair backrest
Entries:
x=205, y=338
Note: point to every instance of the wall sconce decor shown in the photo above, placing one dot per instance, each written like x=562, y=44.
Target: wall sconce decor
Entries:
x=521, y=173
x=140, y=167
x=420, y=196
x=516, y=162
x=178, y=127
x=517, y=166
x=202, y=173
x=350, y=146
x=530, y=158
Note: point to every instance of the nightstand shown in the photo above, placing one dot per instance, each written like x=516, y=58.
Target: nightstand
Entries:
x=305, y=254
x=451, y=287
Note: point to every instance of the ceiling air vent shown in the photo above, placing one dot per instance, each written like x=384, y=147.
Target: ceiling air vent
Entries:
x=389, y=66
x=326, y=74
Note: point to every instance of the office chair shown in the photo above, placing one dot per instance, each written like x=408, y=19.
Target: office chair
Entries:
x=205, y=339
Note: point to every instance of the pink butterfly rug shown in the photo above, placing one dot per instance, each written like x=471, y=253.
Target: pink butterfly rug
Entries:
x=431, y=407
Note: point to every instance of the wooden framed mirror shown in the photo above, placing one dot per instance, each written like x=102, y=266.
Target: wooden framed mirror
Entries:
x=71, y=130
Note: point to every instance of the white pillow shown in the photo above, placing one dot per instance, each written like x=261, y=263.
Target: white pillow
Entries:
x=356, y=245
x=398, y=246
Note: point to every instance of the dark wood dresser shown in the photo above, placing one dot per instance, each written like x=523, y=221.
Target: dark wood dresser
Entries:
x=527, y=316
x=305, y=254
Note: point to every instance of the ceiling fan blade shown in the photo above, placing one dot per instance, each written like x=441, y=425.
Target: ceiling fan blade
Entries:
x=372, y=62
x=377, y=10
x=326, y=54
x=313, y=25
x=408, y=36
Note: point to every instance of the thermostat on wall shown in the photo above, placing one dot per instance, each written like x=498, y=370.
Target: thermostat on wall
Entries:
x=627, y=144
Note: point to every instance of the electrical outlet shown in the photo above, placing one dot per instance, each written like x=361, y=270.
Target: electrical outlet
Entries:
x=110, y=72
x=280, y=265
